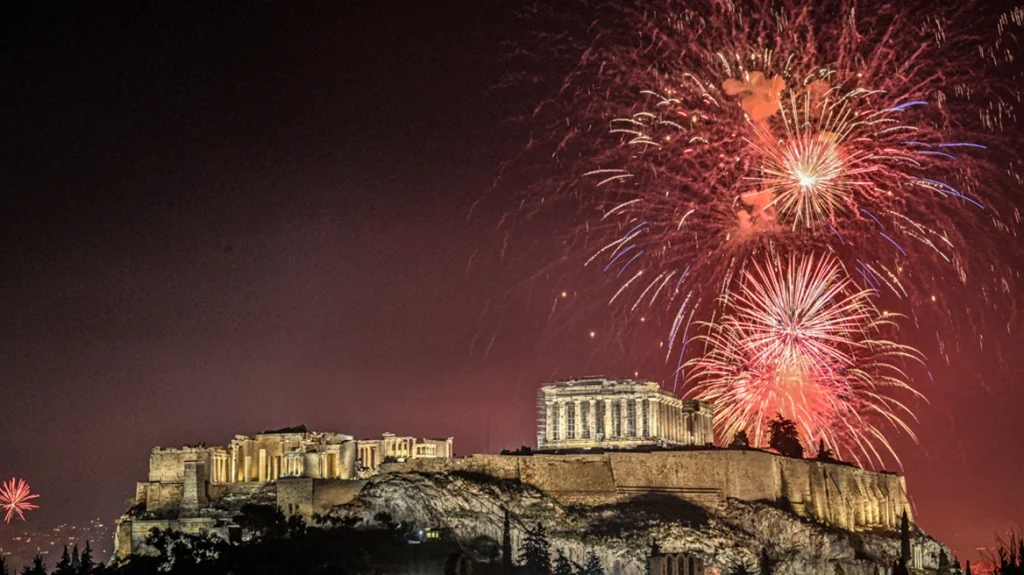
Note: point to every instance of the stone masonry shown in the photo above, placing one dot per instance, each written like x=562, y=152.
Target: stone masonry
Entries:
x=831, y=493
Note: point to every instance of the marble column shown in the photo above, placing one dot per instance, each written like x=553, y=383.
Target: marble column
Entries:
x=261, y=474
x=623, y=429
x=562, y=432
x=607, y=418
x=592, y=419
x=652, y=413
x=577, y=430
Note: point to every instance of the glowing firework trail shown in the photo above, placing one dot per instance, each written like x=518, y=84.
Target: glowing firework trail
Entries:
x=14, y=497
x=798, y=338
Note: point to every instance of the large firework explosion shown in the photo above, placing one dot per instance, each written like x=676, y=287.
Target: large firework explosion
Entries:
x=798, y=338
x=15, y=497
x=694, y=138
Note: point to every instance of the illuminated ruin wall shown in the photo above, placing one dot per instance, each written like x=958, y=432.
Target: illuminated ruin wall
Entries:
x=309, y=472
x=835, y=494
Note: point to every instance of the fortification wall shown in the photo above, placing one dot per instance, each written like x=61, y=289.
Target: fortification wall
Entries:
x=132, y=537
x=163, y=496
x=295, y=496
x=168, y=465
x=330, y=492
x=305, y=496
x=572, y=479
x=832, y=493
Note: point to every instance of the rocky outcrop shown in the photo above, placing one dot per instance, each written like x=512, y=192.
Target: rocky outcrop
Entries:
x=472, y=507
x=829, y=492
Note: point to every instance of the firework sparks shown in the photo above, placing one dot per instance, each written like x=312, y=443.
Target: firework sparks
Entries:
x=798, y=338
x=710, y=131
x=15, y=496
x=694, y=138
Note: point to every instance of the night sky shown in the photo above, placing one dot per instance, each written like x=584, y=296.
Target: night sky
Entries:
x=218, y=221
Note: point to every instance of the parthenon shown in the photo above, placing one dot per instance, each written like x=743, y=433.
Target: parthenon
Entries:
x=616, y=414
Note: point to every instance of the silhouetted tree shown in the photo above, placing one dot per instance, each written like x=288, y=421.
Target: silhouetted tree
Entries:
x=944, y=567
x=264, y=521
x=899, y=568
x=75, y=561
x=4, y=568
x=459, y=564
x=63, y=567
x=87, y=564
x=1010, y=556
x=37, y=567
x=186, y=553
x=741, y=570
x=765, y=564
x=562, y=565
x=592, y=566
x=536, y=552
x=905, y=540
x=824, y=453
x=740, y=439
x=784, y=437
x=967, y=568
x=506, y=543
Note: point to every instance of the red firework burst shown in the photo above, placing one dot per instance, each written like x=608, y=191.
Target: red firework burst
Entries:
x=14, y=497
x=693, y=136
x=799, y=339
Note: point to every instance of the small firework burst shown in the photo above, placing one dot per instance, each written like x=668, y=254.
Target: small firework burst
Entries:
x=15, y=497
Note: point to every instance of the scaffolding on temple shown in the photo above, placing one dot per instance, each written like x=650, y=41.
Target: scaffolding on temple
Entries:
x=542, y=420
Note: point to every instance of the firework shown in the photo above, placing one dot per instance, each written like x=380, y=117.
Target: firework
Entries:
x=694, y=136
x=798, y=338
x=14, y=497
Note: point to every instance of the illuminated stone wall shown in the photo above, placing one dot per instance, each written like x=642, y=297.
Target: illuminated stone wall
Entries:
x=313, y=471
x=835, y=494
x=307, y=496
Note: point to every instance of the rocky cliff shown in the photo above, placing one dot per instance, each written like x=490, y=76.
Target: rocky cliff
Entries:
x=726, y=536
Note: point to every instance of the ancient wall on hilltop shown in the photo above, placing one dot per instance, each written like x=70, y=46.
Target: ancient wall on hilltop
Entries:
x=305, y=496
x=168, y=465
x=836, y=494
x=159, y=497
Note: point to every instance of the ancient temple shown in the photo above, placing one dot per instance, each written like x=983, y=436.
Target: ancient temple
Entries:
x=618, y=414
x=391, y=447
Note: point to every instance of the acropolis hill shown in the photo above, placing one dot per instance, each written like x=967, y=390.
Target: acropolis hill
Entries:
x=604, y=444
